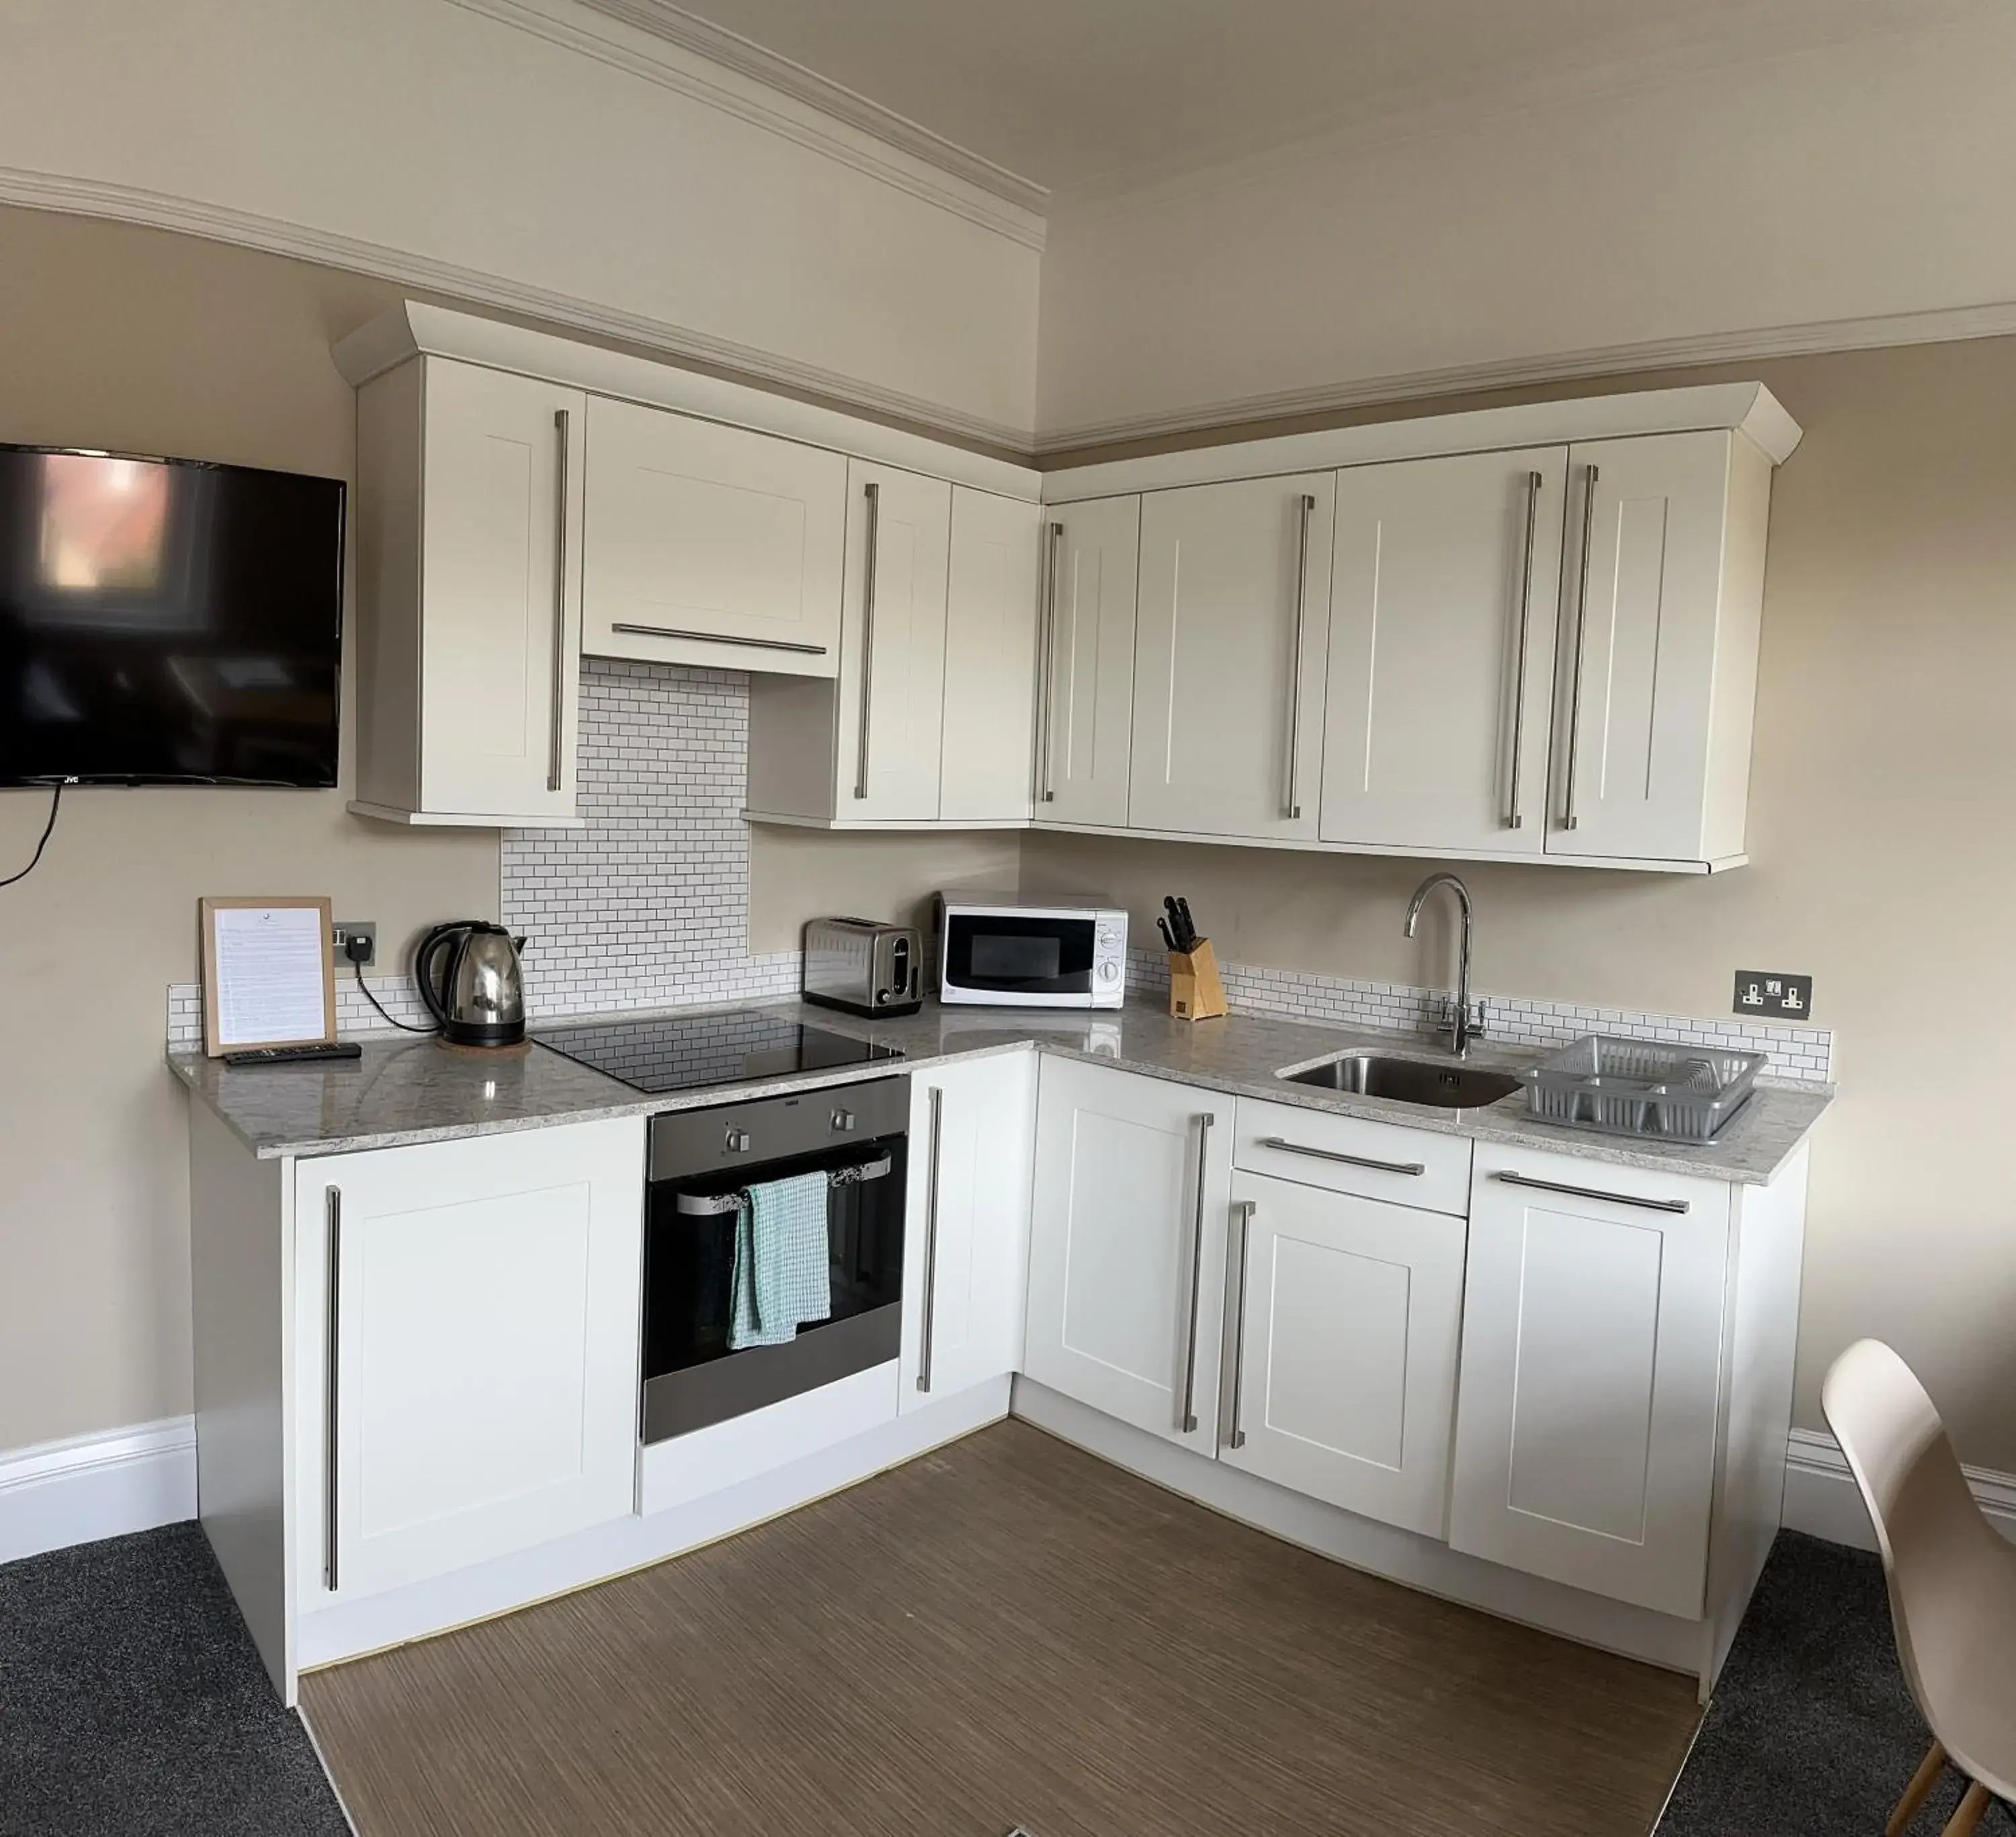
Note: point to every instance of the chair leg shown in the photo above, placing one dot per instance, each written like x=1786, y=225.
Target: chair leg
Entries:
x=1922, y=1782
x=1969, y=1813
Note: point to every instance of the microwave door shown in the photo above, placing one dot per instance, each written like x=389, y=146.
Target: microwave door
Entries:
x=1011, y=959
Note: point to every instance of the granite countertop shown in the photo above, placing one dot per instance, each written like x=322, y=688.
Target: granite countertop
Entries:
x=407, y=1091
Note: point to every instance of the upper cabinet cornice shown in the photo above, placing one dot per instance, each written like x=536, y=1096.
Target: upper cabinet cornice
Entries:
x=1748, y=408
x=413, y=329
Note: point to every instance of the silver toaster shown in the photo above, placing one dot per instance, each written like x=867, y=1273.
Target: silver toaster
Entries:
x=863, y=967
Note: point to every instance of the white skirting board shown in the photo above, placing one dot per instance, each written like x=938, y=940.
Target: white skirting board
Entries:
x=118, y=1480
x=96, y=1485
x=1820, y=1498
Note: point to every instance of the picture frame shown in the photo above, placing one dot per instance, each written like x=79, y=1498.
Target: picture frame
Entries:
x=260, y=987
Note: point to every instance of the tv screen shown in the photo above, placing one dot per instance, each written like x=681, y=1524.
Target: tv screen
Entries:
x=164, y=621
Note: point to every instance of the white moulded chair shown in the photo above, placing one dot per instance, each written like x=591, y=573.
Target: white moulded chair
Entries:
x=1952, y=1578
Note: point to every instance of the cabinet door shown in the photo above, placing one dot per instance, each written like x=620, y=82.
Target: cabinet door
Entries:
x=484, y=1375
x=1592, y=1350
x=710, y=545
x=1344, y=1314
x=1234, y=626
x=500, y=549
x=1091, y=553
x=1442, y=606
x=990, y=659
x=892, y=644
x=965, y=1250
x=1127, y=1247
x=1635, y=695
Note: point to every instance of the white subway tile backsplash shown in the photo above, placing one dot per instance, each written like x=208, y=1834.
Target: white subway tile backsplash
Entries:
x=1804, y=1054
x=647, y=904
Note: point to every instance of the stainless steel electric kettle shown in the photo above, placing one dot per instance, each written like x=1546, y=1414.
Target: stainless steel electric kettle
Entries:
x=471, y=978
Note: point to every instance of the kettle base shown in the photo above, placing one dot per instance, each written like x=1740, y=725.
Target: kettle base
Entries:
x=468, y=1033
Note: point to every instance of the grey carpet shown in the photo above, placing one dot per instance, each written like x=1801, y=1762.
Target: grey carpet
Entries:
x=1812, y=1732
x=131, y=1702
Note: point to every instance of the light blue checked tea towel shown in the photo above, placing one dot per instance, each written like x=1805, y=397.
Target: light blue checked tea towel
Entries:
x=782, y=1276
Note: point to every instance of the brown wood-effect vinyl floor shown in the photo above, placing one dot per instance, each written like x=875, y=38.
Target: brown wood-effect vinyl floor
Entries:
x=1005, y=1631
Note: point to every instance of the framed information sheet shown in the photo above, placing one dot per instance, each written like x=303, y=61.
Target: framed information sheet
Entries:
x=269, y=977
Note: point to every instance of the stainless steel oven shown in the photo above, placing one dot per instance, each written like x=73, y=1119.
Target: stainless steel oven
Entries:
x=702, y=1164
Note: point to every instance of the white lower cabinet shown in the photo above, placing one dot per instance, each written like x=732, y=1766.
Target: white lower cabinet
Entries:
x=1586, y=1443
x=477, y=1363
x=1343, y=1318
x=1132, y=1178
x=966, y=1224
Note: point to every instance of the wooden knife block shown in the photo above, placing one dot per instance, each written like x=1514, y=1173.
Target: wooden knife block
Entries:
x=1195, y=991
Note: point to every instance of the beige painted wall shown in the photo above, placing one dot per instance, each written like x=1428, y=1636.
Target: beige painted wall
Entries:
x=1883, y=835
x=531, y=152
x=795, y=875
x=1868, y=179
x=132, y=339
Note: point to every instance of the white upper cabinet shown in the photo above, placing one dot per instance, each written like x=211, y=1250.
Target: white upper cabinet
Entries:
x=966, y=1244
x=1658, y=647
x=1234, y=625
x=990, y=659
x=1592, y=1362
x=893, y=642
x=469, y=551
x=1132, y=1176
x=1443, y=605
x=481, y=1384
x=710, y=544
x=866, y=750
x=1084, y=720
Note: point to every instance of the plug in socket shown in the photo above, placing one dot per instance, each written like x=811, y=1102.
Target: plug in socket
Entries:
x=365, y=931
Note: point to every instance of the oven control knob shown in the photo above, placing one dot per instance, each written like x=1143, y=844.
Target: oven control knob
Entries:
x=843, y=1122
x=1108, y=971
x=737, y=1141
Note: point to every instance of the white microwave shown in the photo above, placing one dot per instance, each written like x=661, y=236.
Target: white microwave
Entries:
x=1016, y=951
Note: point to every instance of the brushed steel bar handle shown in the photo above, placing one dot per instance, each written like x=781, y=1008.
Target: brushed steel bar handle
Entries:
x=753, y=644
x=1285, y=1146
x=931, y=1238
x=1569, y=819
x=1246, y=1209
x=560, y=603
x=1592, y=1192
x=874, y=495
x=332, y=1206
x=1046, y=667
x=1197, y=1271
x=1514, y=820
x=1292, y=804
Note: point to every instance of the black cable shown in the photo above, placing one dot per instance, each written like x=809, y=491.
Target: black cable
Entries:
x=48, y=829
x=405, y=1026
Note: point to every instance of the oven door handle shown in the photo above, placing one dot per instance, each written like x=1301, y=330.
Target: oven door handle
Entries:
x=713, y=1205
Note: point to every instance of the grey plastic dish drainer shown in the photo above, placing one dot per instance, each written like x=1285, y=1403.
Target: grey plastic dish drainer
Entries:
x=1642, y=1087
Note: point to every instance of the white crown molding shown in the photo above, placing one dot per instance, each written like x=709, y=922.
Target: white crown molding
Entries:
x=804, y=112
x=1815, y=337
x=88, y=1486
x=83, y=197
x=731, y=50
x=1821, y=1498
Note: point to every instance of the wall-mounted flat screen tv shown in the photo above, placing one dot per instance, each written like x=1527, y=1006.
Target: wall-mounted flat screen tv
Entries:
x=166, y=621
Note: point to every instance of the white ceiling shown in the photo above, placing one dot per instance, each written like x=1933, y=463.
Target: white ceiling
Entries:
x=1090, y=95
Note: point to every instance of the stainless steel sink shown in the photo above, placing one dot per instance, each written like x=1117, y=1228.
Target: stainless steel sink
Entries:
x=1408, y=1080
